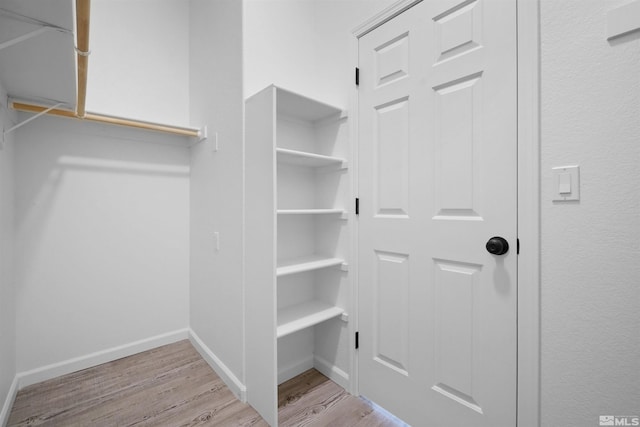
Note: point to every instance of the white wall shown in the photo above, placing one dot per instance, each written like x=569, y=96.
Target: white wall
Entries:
x=217, y=180
x=590, y=249
x=7, y=285
x=102, y=232
x=139, y=62
x=304, y=45
x=278, y=45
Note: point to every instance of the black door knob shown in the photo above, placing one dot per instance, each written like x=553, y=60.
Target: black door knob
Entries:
x=497, y=246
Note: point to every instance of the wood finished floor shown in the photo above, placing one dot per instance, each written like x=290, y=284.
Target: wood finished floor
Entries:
x=173, y=386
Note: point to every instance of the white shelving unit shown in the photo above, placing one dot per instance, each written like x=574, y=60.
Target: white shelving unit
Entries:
x=297, y=243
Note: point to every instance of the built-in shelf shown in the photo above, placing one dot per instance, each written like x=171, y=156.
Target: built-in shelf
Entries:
x=310, y=211
x=309, y=263
x=298, y=176
x=297, y=317
x=303, y=158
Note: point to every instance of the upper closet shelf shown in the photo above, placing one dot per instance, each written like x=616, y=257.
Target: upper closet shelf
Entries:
x=38, y=61
x=41, y=64
x=303, y=158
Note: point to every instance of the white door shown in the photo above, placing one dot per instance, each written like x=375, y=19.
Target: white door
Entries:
x=437, y=180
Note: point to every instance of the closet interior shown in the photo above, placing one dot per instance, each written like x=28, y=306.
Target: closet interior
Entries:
x=298, y=186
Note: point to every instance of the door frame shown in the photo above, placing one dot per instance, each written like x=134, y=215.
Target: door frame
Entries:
x=528, y=123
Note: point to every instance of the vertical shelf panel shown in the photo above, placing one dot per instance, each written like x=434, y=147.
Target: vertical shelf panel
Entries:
x=260, y=255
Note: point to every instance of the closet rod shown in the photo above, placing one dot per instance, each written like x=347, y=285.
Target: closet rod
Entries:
x=83, y=8
x=101, y=118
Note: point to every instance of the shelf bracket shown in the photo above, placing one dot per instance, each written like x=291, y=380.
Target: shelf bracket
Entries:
x=203, y=133
x=344, y=266
x=24, y=37
x=23, y=18
x=43, y=112
x=44, y=27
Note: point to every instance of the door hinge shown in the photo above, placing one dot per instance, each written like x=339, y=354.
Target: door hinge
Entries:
x=357, y=340
x=357, y=76
x=518, y=246
x=357, y=206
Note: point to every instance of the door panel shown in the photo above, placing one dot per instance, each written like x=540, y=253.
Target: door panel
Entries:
x=391, y=322
x=391, y=157
x=437, y=179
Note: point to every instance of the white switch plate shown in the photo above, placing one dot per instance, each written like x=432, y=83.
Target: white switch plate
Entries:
x=566, y=183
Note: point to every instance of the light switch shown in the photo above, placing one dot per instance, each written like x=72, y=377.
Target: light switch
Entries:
x=564, y=183
x=567, y=183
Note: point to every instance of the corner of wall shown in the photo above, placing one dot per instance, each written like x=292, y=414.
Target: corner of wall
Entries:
x=5, y=410
x=8, y=380
x=230, y=379
x=216, y=99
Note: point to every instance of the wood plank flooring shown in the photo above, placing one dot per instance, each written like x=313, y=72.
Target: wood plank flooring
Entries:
x=173, y=386
x=311, y=399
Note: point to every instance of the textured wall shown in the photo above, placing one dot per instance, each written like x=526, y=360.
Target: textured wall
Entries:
x=591, y=248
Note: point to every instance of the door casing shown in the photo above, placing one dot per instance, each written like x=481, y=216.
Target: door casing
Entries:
x=528, y=19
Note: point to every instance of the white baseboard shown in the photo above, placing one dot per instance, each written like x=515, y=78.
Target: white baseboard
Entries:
x=234, y=384
x=8, y=402
x=76, y=364
x=332, y=372
x=288, y=372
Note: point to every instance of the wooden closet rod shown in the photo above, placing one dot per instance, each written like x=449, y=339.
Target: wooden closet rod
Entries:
x=83, y=9
x=101, y=118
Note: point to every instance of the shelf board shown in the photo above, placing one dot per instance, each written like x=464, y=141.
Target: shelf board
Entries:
x=44, y=67
x=297, y=317
x=310, y=211
x=304, y=108
x=303, y=158
x=310, y=263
